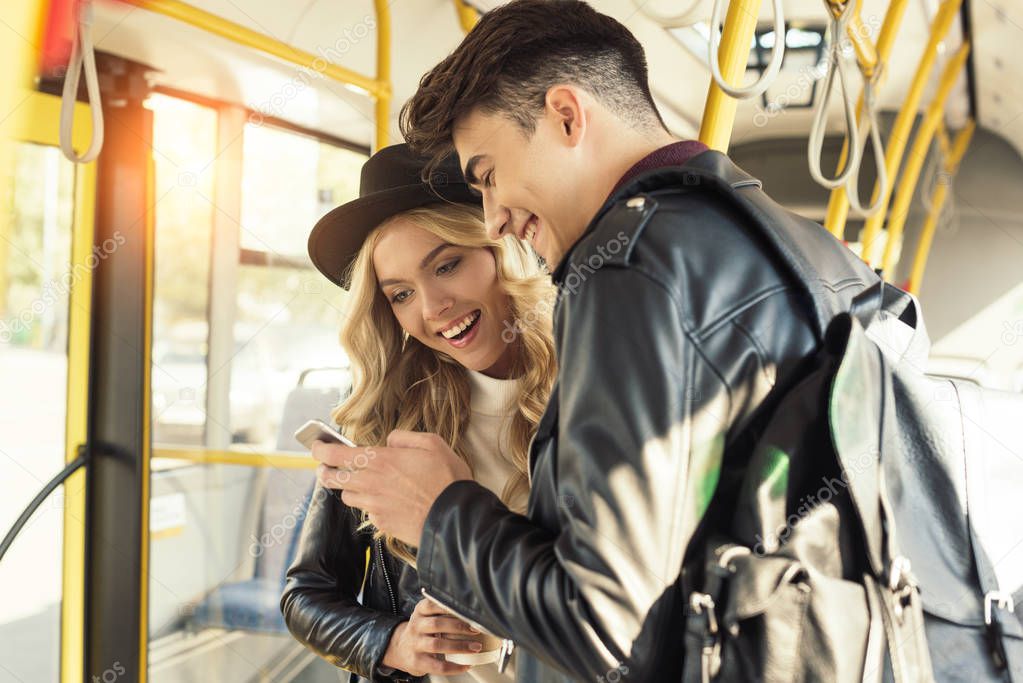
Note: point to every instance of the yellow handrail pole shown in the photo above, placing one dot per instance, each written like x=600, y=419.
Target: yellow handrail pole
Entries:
x=918, y=153
x=944, y=144
x=859, y=36
x=733, y=55
x=467, y=16
x=838, y=203
x=899, y=136
x=241, y=35
x=286, y=461
x=382, y=108
x=951, y=165
x=39, y=123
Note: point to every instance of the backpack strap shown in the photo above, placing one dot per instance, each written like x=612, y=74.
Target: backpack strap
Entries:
x=859, y=418
x=985, y=450
x=716, y=171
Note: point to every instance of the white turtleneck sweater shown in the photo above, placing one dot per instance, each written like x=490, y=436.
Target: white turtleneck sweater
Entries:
x=491, y=404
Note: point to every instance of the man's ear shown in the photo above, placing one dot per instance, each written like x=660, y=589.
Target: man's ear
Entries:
x=566, y=106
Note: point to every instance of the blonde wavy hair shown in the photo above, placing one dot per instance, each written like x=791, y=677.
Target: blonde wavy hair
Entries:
x=399, y=383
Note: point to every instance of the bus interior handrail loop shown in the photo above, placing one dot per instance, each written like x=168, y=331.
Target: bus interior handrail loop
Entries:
x=773, y=68
x=816, y=141
x=852, y=188
x=687, y=17
x=83, y=58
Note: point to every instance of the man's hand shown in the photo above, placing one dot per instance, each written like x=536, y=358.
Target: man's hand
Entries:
x=394, y=485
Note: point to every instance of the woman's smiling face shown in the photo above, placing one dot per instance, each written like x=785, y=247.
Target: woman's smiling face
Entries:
x=446, y=296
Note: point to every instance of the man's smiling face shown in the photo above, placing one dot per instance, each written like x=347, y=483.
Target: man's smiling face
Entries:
x=530, y=185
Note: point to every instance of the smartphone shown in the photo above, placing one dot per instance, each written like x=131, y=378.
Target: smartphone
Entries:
x=319, y=430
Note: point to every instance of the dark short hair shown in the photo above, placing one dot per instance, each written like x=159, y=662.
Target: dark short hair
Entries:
x=515, y=53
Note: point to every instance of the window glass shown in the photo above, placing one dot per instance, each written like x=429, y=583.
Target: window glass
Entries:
x=35, y=283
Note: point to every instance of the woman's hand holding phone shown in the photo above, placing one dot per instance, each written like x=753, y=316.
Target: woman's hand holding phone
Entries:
x=418, y=645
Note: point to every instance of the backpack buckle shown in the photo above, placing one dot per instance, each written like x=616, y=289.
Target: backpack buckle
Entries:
x=999, y=598
x=902, y=584
x=700, y=603
x=710, y=653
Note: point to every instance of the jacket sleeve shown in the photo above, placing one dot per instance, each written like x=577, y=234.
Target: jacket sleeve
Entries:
x=634, y=471
x=319, y=600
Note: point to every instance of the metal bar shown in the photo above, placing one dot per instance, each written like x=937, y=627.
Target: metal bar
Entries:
x=944, y=143
x=72, y=622
x=966, y=21
x=38, y=122
x=951, y=165
x=291, y=461
x=467, y=16
x=117, y=510
x=378, y=88
x=252, y=257
x=223, y=279
x=733, y=55
x=236, y=33
x=918, y=153
x=838, y=202
x=264, y=119
x=39, y=499
x=899, y=135
x=382, y=110
x=859, y=36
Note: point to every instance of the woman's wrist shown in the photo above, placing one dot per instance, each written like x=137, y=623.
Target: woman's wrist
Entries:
x=392, y=656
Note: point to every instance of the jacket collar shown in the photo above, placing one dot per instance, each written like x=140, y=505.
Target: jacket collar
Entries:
x=675, y=154
x=644, y=177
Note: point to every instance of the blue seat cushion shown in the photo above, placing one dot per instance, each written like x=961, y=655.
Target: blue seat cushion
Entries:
x=252, y=605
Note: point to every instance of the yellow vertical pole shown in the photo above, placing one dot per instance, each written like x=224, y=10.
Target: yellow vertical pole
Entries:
x=72, y=619
x=383, y=94
x=149, y=225
x=39, y=123
x=950, y=166
x=838, y=203
x=467, y=16
x=733, y=55
x=899, y=136
x=918, y=153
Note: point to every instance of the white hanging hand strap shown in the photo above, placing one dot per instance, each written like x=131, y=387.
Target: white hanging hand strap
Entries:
x=816, y=141
x=82, y=57
x=687, y=17
x=852, y=186
x=777, y=53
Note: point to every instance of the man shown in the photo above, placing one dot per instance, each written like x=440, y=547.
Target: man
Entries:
x=676, y=331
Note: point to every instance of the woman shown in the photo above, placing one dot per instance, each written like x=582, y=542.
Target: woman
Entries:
x=447, y=333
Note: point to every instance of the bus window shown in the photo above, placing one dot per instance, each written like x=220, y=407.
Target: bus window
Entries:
x=184, y=147
x=245, y=348
x=33, y=364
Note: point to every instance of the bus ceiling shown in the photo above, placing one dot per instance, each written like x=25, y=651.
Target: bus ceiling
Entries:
x=252, y=60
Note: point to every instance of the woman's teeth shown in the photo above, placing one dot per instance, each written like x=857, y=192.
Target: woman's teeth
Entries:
x=531, y=230
x=461, y=326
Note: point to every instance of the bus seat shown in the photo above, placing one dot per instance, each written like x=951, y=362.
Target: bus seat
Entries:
x=254, y=604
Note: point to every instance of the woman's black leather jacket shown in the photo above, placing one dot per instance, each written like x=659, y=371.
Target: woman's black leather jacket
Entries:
x=321, y=602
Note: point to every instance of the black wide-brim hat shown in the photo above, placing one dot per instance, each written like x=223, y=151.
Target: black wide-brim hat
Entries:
x=391, y=182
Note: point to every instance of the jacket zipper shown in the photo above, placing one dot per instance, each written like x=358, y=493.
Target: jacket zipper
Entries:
x=387, y=577
x=507, y=646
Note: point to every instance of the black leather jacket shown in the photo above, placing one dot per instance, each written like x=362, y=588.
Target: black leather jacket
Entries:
x=320, y=601
x=675, y=332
